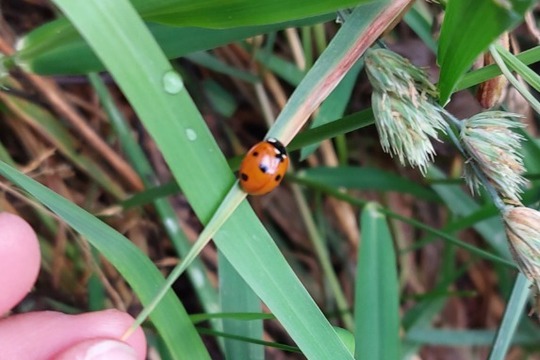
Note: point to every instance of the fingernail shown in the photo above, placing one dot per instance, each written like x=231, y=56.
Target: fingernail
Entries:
x=110, y=349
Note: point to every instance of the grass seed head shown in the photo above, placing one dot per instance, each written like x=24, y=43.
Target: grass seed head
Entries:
x=406, y=116
x=495, y=148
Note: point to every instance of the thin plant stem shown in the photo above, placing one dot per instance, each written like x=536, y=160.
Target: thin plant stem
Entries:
x=513, y=80
x=324, y=258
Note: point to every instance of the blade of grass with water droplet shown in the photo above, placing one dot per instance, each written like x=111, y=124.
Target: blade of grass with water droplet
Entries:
x=197, y=272
x=138, y=66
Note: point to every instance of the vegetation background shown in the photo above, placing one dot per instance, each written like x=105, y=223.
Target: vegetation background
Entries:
x=352, y=248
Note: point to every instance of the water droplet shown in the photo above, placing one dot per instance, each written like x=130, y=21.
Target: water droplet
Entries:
x=172, y=225
x=197, y=277
x=172, y=82
x=191, y=134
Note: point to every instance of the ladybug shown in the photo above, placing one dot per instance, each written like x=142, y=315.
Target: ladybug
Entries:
x=263, y=167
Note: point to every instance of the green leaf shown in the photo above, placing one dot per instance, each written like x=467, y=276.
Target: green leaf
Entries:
x=422, y=314
x=286, y=70
x=444, y=337
x=376, y=295
x=198, y=318
x=481, y=22
x=421, y=23
x=365, y=178
x=347, y=337
x=205, y=59
x=57, y=48
x=237, y=338
x=335, y=192
x=344, y=125
x=221, y=100
x=475, y=77
x=512, y=315
x=227, y=14
x=236, y=296
x=530, y=76
x=466, y=338
x=335, y=104
x=197, y=273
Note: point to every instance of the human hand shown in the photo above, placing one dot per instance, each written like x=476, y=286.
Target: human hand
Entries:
x=50, y=334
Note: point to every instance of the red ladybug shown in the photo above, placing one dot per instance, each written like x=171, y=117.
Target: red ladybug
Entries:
x=263, y=167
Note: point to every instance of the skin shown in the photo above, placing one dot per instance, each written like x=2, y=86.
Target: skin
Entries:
x=49, y=334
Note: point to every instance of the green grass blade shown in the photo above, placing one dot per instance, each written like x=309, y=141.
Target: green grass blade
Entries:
x=250, y=340
x=320, y=249
x=57, y=48
x=220, y=99
x=365, y=178
x=174, y=326
x=444, y=337
x=482, y=22
x=512, y=316
x=342, y=126
x=236, y=296
x=227, y=14
x=335, y=192
x=197, y=272
x=462, y=338
x=209, y=61
x=147, y=196
x=518, y=85
x=462, y=205
x=531, y=77
x=197, y=318
x=286, y=70
x=475, y=77
x=4, y=155
x=157, y=94
x=422, y=314
x=335, y=104
x=376, y=290
x=419, y=22
x=354, y=37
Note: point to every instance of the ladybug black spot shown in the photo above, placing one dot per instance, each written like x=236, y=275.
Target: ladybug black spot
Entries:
x=244, y=177
x=278, y=177
x=255, y=154
x=263, y=168
x=281, y=149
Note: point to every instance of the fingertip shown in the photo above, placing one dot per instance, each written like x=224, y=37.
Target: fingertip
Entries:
x=121, y=321
x=19, y=259
x=47, y=334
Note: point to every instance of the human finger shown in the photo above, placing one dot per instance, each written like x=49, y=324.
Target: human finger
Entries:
x=19, y=260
